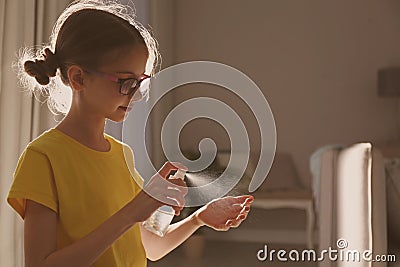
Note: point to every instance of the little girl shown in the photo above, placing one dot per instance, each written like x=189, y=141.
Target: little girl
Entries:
x=72, y=186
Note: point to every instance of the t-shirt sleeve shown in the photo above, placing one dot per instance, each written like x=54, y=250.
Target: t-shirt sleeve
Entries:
x=34, y=180
x=138, y=178
x=130, y=161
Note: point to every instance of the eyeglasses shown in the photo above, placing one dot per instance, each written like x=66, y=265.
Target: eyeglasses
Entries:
x=129, y=85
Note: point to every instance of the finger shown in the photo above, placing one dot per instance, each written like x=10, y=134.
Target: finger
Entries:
x=171, y=197
x=176, y=195
x=244, y=198
x=236, y=208
x=181, y=202
x=166, y=169
x=178, y=209
x=162, y=185
x=228, y=223
x=241, y=207
x=236, y=224
x=180, y=166
x=177, y=191
x=177, y=181
x=239, y=219
x=171, y=166
x=170, y=202
x=245, y=209
x=176, y=201
x=180, y=183
x=248, y=201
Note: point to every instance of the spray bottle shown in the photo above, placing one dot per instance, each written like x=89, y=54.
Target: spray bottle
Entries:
x=159, y=221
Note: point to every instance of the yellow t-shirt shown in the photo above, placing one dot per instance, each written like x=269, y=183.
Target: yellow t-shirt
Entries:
x=84, y=187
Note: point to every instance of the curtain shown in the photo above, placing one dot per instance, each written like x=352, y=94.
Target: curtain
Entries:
x=22, y=117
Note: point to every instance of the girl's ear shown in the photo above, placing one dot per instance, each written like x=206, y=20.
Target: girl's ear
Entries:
x=75, y=77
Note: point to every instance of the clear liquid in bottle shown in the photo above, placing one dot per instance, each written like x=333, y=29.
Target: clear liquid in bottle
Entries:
x=159, y=221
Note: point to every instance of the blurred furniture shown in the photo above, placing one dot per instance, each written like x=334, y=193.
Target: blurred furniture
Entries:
x=351, y=199
x=281, y=189
x=295, y=199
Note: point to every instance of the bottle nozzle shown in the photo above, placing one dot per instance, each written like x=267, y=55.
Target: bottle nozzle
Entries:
x=180, y=174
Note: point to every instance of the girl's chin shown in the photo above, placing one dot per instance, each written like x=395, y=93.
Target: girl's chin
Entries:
x=118, y=116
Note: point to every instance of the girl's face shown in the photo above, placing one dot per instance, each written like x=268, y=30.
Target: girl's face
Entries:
x=102, y=95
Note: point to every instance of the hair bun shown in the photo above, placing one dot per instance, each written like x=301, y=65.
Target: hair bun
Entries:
x=43, y=69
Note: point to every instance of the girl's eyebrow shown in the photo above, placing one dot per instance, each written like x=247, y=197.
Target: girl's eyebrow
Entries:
x=125, y=72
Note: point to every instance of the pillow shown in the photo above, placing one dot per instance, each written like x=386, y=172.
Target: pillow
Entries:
x=282, y=176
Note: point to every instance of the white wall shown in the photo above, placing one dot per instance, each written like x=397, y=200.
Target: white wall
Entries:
x=315, y=60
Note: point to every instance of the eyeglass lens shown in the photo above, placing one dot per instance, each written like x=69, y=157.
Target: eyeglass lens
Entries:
x=130, y=85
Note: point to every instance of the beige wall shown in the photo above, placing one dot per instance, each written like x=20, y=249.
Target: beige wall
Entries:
x=315, y=61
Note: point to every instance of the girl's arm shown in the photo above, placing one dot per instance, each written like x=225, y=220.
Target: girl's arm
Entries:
x=40, y=237
x=40, y=224
x=220, y=214
x=157, y=247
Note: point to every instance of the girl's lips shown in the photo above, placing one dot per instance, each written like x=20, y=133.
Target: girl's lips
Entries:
x=127, y=109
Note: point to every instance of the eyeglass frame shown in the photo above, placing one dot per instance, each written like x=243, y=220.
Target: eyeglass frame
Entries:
x=120, y=81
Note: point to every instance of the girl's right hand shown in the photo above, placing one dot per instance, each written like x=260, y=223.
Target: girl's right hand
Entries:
x=161, y=191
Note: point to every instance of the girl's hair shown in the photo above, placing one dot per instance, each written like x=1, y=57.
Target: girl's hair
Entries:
x=83, y=34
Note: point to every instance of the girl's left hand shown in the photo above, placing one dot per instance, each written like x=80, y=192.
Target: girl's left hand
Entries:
x=224, y=213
